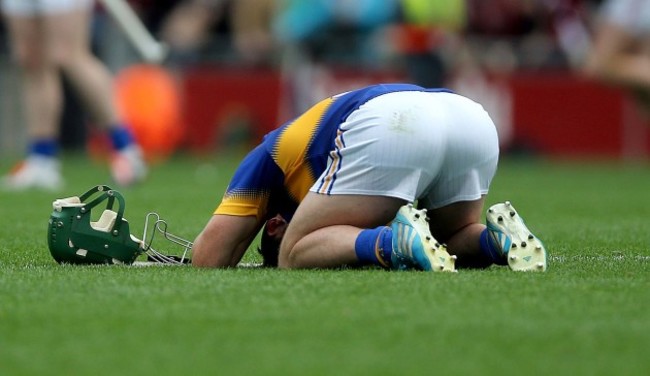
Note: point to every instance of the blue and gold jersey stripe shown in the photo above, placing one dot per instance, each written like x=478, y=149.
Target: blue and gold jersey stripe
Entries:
x=291, y=148
x=282, y=166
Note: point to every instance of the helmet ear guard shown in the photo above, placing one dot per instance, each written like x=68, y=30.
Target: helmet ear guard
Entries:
x=74, y=238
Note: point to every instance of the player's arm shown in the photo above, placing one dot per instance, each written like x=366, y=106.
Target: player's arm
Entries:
x=224, y=240
x=241, y=214
x=617, y=57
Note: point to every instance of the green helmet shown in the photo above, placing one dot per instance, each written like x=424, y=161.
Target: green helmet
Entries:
x=75, y=239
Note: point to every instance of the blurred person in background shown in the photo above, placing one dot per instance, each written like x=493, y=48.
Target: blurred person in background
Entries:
x=620, y=54
x=427, y=33
x=333, y=29
x=509, y=35
x=238, y=30
x=316, y=35
x=253, y=39
x=49, y=38
x=187, y=28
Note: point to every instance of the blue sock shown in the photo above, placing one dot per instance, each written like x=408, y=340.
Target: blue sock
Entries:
x=121, y=137
x=374, y=246
x=44, y=147
x=491, y=250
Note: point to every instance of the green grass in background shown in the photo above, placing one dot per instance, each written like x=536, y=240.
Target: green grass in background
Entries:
x=588, y=315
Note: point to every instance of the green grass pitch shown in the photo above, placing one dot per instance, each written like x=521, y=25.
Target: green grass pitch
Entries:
x=588, y=315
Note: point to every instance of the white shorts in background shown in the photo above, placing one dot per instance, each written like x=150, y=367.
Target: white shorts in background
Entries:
x=29, y=8
x=438, y=148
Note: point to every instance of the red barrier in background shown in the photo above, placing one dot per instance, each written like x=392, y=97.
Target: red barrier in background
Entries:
x=218, y=100
x=563, y=115
x=555, y=114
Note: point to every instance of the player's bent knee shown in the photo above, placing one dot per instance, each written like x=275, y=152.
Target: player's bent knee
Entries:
x=289, y=258
x=285, y=261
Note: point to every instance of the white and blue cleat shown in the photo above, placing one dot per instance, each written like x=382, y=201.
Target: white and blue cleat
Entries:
x=523, y=250
x=413, y=245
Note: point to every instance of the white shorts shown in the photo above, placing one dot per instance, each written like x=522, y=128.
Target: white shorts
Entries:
x=438, y=148
x=29, y=8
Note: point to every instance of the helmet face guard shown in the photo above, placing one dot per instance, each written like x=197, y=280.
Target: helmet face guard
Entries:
x=73, y=237
x=154, y=224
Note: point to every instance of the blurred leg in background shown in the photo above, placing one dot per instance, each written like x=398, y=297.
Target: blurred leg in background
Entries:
x=620, y=54
x=48, y=38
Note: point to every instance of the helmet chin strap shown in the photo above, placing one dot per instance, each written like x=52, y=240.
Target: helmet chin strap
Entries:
x=153, y=224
